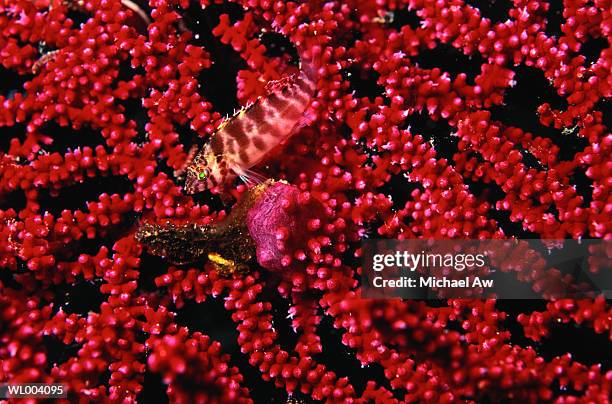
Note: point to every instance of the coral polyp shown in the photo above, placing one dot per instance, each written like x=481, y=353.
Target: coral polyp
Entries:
x=430, y=119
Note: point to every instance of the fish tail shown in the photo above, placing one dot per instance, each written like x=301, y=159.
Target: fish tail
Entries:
x=310, y=57
x=310, y=63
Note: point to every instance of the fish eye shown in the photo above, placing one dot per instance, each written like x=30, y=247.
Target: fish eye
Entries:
x=203, y=174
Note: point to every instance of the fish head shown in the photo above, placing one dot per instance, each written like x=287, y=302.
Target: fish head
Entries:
x=204, y=173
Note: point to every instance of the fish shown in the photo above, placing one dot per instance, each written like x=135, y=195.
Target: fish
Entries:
x=246, y=139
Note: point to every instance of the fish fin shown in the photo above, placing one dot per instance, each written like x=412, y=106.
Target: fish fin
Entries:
x=275, y=86
x=249, y=183
x=255, y=176
x=249, y=180
x=249, y=177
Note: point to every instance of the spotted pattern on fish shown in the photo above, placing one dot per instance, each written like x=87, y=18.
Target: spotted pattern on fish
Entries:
x=245, y=139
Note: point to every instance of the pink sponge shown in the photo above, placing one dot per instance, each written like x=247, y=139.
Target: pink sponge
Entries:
x=268, y=222
x=277, y=223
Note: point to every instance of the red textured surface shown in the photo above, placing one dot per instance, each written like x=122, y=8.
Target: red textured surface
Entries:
x=352, y=160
